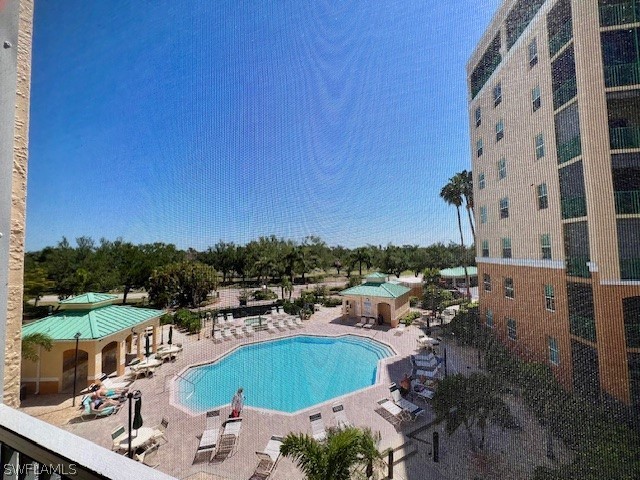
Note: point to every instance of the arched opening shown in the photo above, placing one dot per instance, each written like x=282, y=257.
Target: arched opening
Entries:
x=68, y=364
x=384, y=312
x=110, y=358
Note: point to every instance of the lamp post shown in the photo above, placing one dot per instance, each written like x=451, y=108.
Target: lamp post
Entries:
x=75, y=368
x=131, y=396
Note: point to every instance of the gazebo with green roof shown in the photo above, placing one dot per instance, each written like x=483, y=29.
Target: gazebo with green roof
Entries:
x=376, y=299
x=456, y=274
x=105, y=336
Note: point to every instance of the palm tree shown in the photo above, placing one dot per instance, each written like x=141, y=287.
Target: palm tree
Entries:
x=472, y=401
x=337, y=458
x=464, y=179
x=452, y=194
x=33, y=340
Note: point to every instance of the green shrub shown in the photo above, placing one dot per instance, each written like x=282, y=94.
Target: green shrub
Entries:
x=166, y=319
x=183, y=317
x=354, y=281
x=332, y=302
x=409, y=317
x=264, y=294
x=414, y=301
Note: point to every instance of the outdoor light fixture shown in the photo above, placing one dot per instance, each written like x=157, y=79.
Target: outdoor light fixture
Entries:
x=75, y=367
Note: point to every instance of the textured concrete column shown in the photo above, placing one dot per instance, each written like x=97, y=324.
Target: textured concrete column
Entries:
x=16, y=22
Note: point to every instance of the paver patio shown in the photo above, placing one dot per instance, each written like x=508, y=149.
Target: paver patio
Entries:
x=258, y=425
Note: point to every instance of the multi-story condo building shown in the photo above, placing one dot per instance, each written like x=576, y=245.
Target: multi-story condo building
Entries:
x=554, y=111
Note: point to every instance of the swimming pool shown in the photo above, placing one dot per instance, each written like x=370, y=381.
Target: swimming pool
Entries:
x=288, y=374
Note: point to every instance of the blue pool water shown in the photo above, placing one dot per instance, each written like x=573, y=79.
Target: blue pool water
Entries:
x=289, y=374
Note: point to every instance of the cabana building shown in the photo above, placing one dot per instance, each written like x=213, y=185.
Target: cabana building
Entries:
x=105, y=335
x=376, y=298
x=455, y=277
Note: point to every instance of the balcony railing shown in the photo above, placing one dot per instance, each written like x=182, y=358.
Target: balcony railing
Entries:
x=577, y=267
x=561, y=38
x=583, y=327
x=627, y=202
x=621, y=75
x=630, y=269
x=568, y=150
x=620, y=14
x=624, y=137
x=564, y=93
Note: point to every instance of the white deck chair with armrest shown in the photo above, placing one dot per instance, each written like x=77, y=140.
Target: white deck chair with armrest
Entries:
x=161, y=431
x=248, y=329
x=399, y=330
x=370, y=323
x=411, y=408
x=227, y=334
x=421, y=391
x=149, y=456
x=361, y=323
x=118, y=435
x=210, y=435
x=268, y=459
x=228, y=439
x=217, y=336
x=341, y=417
x=318, y=431
x=271, y=328
x=391, y=412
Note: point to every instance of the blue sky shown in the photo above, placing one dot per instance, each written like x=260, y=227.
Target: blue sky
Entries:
x=190, y=122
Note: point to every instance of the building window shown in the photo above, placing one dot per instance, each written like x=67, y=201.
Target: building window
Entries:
x=497, y=95
x=508, y=288
x=535, y=98
x=554, y=353
x=478, y=117
x=539, y=146
x=481, y=181
x=483, y=214
x=502, y=168
x=486, y=282
x=479, y=148
x=504, y=207
x=506, y=248
x=512, y=332
x=485, y=248
x=499, y=130
x=543, y=199
x=533, y=53
x=545, y=246
x=490, y=318
x=549, y=298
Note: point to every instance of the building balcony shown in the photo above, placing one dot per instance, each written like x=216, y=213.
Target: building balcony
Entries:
x=620, y=13
x=621, y=75
x=568, y=150
x=624, y=137
x=630, y=269
x=561, y=38
x=583, y=327
x=627, y=203
x=577, y=266
x=564, y=93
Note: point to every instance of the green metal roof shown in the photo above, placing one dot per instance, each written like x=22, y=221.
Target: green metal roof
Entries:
x=458, y=272
x=89, y=298
x=92, y=324
x=373, y=289
x=376, y=275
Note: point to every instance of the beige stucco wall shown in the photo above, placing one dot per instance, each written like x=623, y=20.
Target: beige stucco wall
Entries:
x=18, y=198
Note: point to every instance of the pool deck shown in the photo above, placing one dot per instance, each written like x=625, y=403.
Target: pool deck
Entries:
x=258, y=426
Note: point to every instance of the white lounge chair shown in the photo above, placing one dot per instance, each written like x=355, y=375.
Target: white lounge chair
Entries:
x=418, y=390
x=423, y=363
x=268, y=459
x=399, y=330
x=160, y=433
x=282, y=325
x=227, y=334
x=427, y=373
x=248, y=329
x=412, y=409
x=361, y=323
x=318, y=431
x=391, y=412
x=297, y=322
x=370, y=323
x=210, y=435
x=118, y=435
x=341, y=417
x=271, y=327
x=228, y=439
x=290, y=322
x=228, y=317
x=217, y=336
x=239, y=332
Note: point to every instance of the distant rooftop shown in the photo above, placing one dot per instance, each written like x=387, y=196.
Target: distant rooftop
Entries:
x=88, y=300
x=458, y=272
x=377, y=289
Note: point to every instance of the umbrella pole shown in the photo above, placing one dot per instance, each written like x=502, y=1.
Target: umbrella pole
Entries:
x=130, y=397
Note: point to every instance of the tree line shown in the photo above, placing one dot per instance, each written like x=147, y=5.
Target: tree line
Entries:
x=66, y=269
